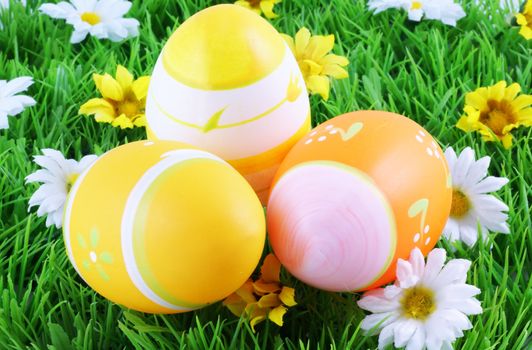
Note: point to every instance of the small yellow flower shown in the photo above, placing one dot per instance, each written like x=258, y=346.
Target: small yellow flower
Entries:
x=496, y=110
x=123, y=99
x=260, y=6
x=264, y=298
x=315, y=61
x=524, y=19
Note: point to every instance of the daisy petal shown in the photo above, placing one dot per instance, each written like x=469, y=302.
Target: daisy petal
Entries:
x=469, y=306
x=490, y=184
x=469, y=234
x=405, y=274
x=477, y=172
x=375, y=304
x=78, y=36
x=85, y=162
x=403, y=332
x=60, y=11
x=417, y=261
x=461, y=168
x=435, y=261
x=454, y=271
x=455, y=317
x=489, y=202
x=451, y=230
x=458, y=291
x=41, y=175
x=450, y=155
x=4, y=123
x=386, y=335
x=379, y=320
x=16, y=86
x=417, y=341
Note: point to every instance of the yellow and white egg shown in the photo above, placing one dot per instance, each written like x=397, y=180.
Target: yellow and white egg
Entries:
x=162, y=227
x=226, y=82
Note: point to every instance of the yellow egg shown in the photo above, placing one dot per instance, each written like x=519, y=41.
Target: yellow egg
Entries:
x=162, y=227
x=226, y=82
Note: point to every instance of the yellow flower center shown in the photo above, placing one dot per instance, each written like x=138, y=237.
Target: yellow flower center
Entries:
x=418, y=303
x=416, y=5
x=71, y=180
x=460, y=204
x=254, y=3
x=91, y=18
x=497, y=116
x=128, y=107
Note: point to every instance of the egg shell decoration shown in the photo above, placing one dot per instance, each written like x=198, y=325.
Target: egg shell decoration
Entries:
x=162, y=227
x=354, y=195
x=226, y=82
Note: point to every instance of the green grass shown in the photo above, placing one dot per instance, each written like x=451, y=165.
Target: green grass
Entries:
x=420, y=70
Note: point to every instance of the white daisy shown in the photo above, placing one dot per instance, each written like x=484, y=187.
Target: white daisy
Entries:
x=427, y=307
x=57, y=177
x=10, y=103
x=446, y=11
x=102, y=19
x=472, y=206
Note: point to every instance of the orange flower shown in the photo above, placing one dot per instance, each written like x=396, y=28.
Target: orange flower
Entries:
x=263, y=298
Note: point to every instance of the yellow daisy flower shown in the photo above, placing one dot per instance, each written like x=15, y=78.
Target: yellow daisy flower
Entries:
x=524, y=19
x=123, y=99
x=260, y=6
x=263, y=298
x=315, y=61
x=496, y=110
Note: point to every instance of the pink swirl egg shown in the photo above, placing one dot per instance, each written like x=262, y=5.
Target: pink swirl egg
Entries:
x=354, y=195
x=318, y=243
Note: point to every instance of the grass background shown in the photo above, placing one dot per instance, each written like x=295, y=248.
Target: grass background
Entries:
x=420, y=70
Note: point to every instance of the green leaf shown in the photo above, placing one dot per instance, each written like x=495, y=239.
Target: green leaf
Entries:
x=102, y=273
x=106, y=257
x=81, y=242
x=95, y=237
x=213, y=121
x=352, y=131
x=60, y=339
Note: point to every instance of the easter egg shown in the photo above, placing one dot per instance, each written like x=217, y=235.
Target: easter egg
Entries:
x=354, y=195
x=162, y=227
x=226, y=82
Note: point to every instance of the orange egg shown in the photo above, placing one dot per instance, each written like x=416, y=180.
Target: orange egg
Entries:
x=355, y=194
